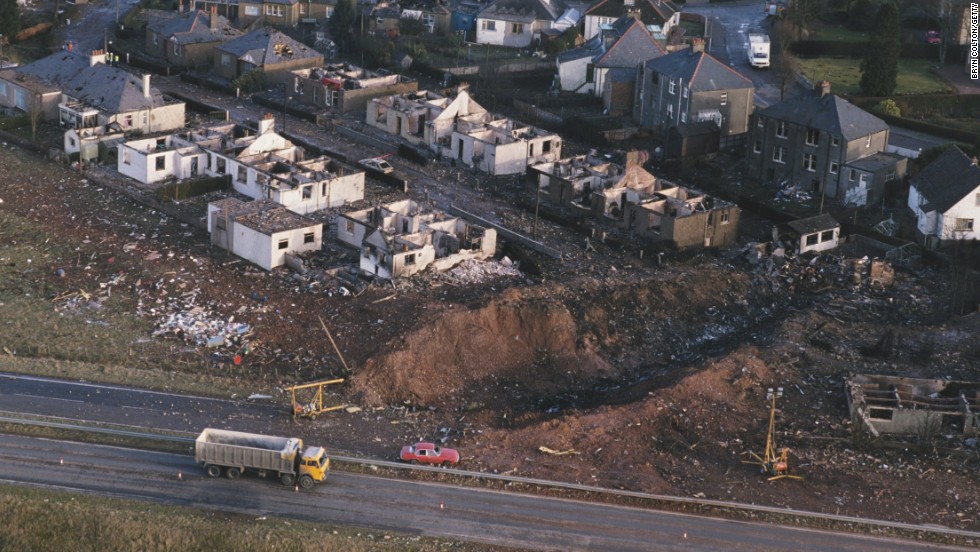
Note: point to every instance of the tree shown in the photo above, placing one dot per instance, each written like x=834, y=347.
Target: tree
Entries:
x=342, y=23
x=948, y=16
x=9, y=19
x=888, y=107
x=35, y=113
x=879, y=69
x=786, y=65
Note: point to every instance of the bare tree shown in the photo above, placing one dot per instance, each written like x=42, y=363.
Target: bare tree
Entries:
x=784, y=33
x=35, y=113
x=948, y=16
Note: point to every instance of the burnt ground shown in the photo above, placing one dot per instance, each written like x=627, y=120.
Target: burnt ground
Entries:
x=646, y=376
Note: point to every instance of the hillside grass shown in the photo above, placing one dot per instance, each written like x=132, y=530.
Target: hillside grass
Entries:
x=914, y=75
x=38, y=519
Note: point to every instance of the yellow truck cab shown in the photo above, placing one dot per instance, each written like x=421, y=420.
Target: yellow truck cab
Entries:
x=315, y=463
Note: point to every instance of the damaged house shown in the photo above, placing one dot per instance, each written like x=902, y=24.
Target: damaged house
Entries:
x=423, y=117
x=345, y=87
x=398, y=240
x=262, y=231
x=912, y=406
x=638, y=202
x=502, y=147
x=260, y=163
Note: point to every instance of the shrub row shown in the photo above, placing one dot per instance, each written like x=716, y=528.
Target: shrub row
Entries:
x=835, y=48
x=925, y=106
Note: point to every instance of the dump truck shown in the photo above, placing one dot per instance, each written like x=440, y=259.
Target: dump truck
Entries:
x=759, y=50
x=232, y=453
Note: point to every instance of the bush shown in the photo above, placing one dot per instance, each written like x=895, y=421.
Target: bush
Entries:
x=888, y=107
x=11, y=123
x=252, y=81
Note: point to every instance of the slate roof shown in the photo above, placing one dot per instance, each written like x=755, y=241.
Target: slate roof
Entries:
x=589, y=49
x=700, y=70
x=622, y=74
x=259, y=47
x=829, y=113
x=524, y=10
x=635, y=44
x=56, y=68
x=195, y=28
x=652, y=12
x=111, y=89
x=947, y=180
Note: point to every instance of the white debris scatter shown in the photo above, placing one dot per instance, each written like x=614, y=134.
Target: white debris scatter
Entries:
x=184, y=319
x=475, y=272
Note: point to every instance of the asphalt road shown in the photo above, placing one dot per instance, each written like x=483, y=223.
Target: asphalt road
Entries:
x=346, y=499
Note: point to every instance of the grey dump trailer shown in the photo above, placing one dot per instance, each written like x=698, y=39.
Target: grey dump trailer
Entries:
x=233, y=452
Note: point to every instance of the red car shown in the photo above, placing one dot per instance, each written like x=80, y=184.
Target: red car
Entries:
x=428, y=453
x=932, y=37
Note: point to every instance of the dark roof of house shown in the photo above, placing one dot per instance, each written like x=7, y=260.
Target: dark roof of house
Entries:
x=195, y=28
x=267, y=46
x=634, y=45
x=56, y=68
x=111, y=89
x=814, y=224
x=827, y=112
x=947, y=180
x=700, y=70
x=524, y=10
x=589, y=49
x=622, y=74
x=652, y=12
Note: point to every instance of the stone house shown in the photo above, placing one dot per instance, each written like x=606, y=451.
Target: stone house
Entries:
x=521, y=23
x=944, y=197
x=188, y=39
x=267, y=49
x=658, y=14
x=822, y=143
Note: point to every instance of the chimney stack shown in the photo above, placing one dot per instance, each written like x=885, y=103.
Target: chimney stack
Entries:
x=267, y=123
x=214, y=18
x=823, y=88
x=974, y=161
x=697, y=45
x=97, y=56
x=146, y=85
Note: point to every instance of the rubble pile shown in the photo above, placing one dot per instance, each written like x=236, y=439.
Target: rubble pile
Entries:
x=477, y=272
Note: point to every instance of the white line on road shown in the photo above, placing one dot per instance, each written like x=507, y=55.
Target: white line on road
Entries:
x=47, y=398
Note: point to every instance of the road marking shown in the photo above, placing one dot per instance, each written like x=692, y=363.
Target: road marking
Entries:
x=47, y=398
x=114, y=388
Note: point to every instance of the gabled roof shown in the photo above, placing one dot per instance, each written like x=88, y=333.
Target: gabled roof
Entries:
x=827, y=112
x=634, y=45
x=524, y=10
x=267, y=46
x=195, y=28
x=56, y=68
x=700, y=70
x=111, y=89
x=947, y=180
x=652, y=12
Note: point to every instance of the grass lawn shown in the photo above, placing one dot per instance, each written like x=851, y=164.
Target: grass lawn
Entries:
x=837, y=33
x=844, y=74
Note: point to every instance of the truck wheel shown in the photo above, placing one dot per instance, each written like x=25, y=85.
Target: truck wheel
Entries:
x=305, y=481
x=212, y=470
x=233, y=473
x=287, y=479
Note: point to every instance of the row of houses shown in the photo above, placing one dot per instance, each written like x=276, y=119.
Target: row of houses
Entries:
x=462, y=130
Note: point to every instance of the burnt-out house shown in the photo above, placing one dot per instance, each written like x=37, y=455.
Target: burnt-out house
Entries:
x=914, y=406
x=344, y=87
x=637, y=201
x=400, y=239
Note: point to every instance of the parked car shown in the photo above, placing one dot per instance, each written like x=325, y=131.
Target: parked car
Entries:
x=429, y=453
x=377, y=164
x=932, y=37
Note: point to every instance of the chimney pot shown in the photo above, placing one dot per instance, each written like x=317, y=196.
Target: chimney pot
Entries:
x=697, y=45
x=823, y=88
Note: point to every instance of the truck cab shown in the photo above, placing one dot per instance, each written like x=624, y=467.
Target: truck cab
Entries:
x=314, y=463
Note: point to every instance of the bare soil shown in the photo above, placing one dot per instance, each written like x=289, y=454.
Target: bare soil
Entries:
x=645, y=376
